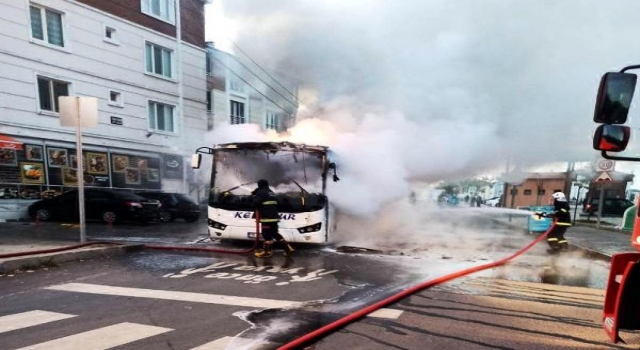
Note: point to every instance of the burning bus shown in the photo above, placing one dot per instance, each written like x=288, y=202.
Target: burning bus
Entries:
x=297, y=173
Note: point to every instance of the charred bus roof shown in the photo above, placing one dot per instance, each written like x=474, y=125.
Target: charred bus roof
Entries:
x=273, y=147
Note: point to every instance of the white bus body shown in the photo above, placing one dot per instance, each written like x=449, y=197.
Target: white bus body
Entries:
x=297, y=173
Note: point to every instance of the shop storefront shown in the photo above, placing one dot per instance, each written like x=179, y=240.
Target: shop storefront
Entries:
x=31, y=170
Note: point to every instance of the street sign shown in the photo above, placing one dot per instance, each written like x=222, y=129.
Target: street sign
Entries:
x=604, y=177
x=605, y=164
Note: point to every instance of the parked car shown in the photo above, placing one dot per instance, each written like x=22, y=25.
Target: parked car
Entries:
x=611, y=206
x=175, y=206
x=492, y=202
x=108, y=205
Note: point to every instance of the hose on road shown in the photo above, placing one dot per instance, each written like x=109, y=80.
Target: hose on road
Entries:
x=157, y=247
x=322, y=331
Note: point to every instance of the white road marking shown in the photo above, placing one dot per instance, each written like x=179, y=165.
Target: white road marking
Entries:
x=102, y=338
x=238, y=343
x=175, y=295
x=31, y=318
x=386, y=313
x=197, y=297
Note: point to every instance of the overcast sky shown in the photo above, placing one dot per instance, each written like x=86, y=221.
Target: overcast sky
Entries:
x=460, y=85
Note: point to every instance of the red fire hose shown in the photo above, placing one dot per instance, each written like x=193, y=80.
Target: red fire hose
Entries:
x=320, y=332
x=53, y=250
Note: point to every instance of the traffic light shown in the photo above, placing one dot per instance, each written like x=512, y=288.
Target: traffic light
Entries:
x=612, y=107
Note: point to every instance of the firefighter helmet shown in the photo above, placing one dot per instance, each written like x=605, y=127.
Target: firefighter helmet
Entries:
x=559, y=196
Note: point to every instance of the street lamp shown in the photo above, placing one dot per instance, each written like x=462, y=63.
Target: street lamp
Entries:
x=575, y=210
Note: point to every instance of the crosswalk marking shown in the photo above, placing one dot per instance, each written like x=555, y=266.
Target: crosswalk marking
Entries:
x=236, y=342
x=28, y=319
x=102, y=338
x=175, y=295
x=196, y=297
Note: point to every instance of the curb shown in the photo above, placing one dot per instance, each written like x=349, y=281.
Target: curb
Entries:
x=592, y=253
x=587, y=251
x=52, y=259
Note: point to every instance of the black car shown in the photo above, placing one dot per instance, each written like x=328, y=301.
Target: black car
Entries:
x=108, y=205
x=611, y=206
x=175, y=206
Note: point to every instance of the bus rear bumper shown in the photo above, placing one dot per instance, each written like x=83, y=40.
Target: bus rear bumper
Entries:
x=248, y=233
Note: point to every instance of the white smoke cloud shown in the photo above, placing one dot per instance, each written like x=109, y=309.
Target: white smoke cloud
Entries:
x=530, y=69
x=438, y=89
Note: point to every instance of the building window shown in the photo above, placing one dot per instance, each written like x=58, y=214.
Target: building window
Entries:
x=236, y=85
x=541, y=192
x=48, y=92
x=111, y=35
x=209, y=100
x=208, y=63
x=271, y=121
x=527, y=192
x=158, y=60
x=160, y=9
x=161, y=117
x=237, y=113
x=115, y=98
x=46, y=25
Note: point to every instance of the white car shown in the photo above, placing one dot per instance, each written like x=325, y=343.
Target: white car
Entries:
x=492, y=202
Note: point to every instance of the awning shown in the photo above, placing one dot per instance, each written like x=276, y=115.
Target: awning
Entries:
x=10, y=142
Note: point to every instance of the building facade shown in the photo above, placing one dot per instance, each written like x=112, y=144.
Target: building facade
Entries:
x=538, y=187
x=534, y=190
x=144, y=61
x=241, y=92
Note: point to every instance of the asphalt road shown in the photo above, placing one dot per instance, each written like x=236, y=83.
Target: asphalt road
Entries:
x=170, y=300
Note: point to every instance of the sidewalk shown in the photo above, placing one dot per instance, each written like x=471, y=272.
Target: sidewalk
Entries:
x=18, y=237
x=603, y=242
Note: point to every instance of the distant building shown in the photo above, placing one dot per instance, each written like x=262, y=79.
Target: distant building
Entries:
x=536, y=188
x=615, y=188
x=144, y=60
x=241, y=92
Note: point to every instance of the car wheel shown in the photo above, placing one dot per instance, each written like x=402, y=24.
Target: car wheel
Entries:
x=43, y=215
x=109, y=217
x=166, y=216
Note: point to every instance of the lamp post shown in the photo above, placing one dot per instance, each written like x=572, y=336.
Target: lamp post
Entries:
x=78, y=112
x=575, y=210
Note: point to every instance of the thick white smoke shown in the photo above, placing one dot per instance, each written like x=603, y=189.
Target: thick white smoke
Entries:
x=435, y=90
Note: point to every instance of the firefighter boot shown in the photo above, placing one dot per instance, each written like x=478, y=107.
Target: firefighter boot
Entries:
x=564, y=245
x=267, y=252
x=288, y=249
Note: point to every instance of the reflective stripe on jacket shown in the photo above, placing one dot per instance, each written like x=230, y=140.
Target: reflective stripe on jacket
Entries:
x=562, y=213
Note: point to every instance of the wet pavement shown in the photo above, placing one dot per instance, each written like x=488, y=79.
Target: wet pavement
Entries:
x=470, y=312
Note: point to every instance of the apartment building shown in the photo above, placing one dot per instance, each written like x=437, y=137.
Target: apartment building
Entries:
x=239, y=91
x=145, y=62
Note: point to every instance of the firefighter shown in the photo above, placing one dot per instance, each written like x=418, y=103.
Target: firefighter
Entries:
x=562, y=220
x=266, y=203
